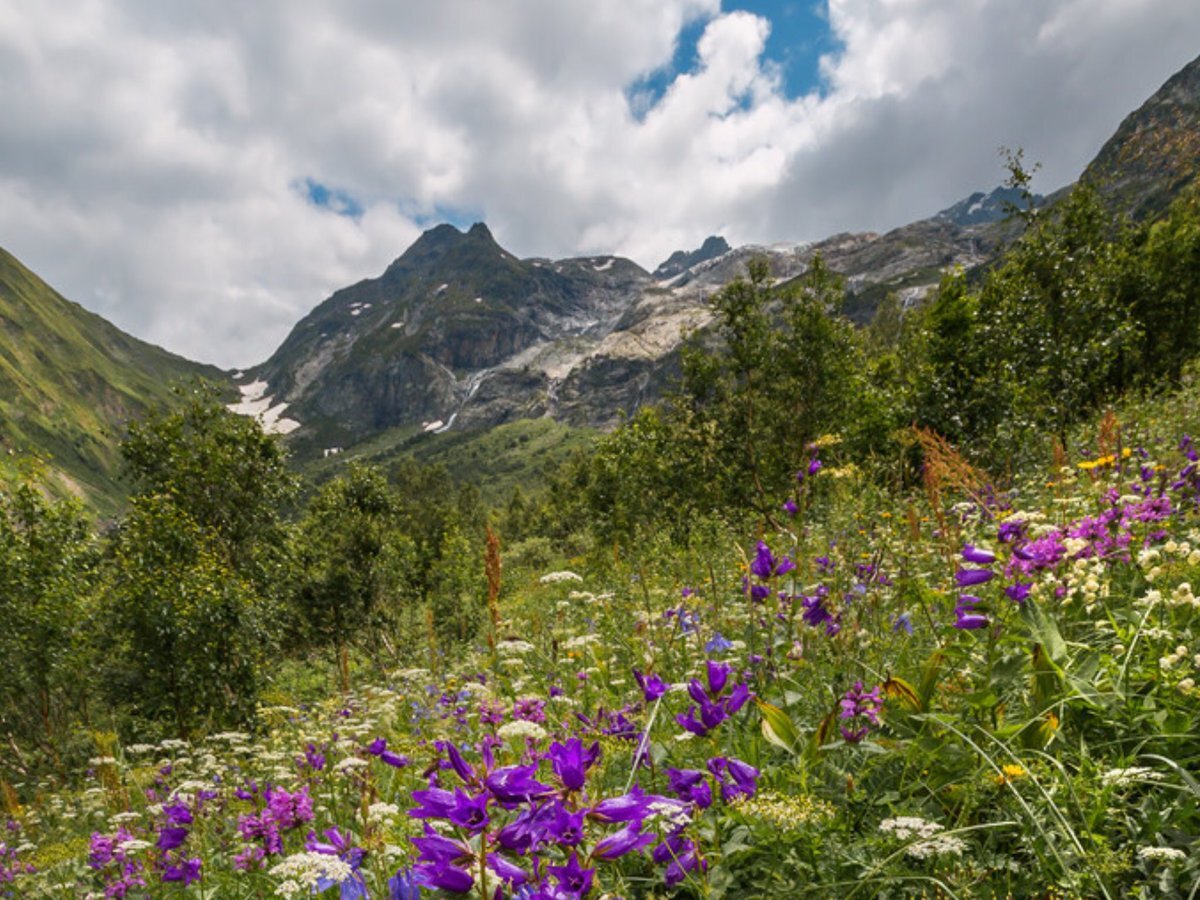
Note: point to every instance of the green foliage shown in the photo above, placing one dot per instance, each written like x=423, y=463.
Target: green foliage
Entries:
x=780, y=368
x=48, y=565
x=197, y=565
x=189, y=636
x=350, y=560
x=230, y=477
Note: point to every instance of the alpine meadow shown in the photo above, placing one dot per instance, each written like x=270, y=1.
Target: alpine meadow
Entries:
x=866, y=567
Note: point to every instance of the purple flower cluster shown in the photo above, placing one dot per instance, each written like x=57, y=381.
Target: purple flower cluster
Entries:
x=519, y=826
x=118, y=866
x=263, y=830
x=714, y=703
x=765, y=567
x=378, y=749
x=860, y=712
x=733, y=777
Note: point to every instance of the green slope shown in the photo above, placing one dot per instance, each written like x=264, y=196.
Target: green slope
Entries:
x=523, y=453
x=70, y=381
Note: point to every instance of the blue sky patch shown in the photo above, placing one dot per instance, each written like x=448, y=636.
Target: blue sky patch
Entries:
x=333, y=199
x=799, y=36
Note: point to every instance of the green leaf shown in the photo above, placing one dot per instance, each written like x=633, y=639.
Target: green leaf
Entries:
x=1044, y=631
x=777, y=727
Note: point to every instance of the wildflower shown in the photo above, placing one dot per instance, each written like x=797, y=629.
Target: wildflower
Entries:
x=787, y=813
x=972, y=577
x=521, y=729
x=1161, y=854
x=184, y=872
x=737, y=778
x=765, y=566
x=559, y=577
x=310, y=872
x=1128, y=776
x=516, y=783
x=858, y=705
x=574, y=880
x=691, y=786
x=571, y=762
x=651, y=685
x=680, y=857
x=977, y=555
x=717, y=644
x=627, y=840
x=966, y=617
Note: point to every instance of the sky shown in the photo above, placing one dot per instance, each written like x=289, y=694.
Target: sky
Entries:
x=204, y=174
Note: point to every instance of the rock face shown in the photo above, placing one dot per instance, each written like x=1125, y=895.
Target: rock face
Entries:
x=1156, y=150
x=681, y=260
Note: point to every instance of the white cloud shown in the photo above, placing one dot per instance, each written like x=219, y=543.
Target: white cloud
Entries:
x=151, y=164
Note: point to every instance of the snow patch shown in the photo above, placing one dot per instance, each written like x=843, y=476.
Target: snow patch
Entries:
x=441, y=287
x=605, y=266
x=260, y=405
x=330, y=451
x=399, y=324
x=478, y=299
x=432, y=426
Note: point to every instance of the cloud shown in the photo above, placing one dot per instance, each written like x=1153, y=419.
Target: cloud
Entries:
x=204, y=174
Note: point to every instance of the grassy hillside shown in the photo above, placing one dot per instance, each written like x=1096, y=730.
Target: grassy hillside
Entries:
x=496, y=460
x=69, y=381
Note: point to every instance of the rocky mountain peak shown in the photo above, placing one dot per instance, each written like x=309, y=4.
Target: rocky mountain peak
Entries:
x=981, y=208
x=682, y=260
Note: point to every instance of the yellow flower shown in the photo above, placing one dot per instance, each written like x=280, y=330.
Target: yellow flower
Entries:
x=1010, y=772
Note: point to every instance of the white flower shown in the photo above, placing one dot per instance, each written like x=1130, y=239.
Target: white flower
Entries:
x=382, y=813
x=521, y=729
x=559, y=577
x=1162, y=854
x=1130, y=775
x=942, y=845
x=301, y=872
x=350, y=763
x=673, y=813
x=905, y=827
x=514, y=648
x=580, y=641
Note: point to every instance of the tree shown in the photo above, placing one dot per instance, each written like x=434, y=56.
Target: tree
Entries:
x=351, y=556
x=48, y=562
x=230, y=476
x=197, y=565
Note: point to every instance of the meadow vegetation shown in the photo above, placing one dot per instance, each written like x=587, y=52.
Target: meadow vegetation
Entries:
x=897, y=611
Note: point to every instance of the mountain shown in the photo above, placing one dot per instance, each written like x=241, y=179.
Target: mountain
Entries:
x=983, y=209
x=457, y=331
x=460, y=334
x=1155, y=152
x=681, y=260
x=70, y=381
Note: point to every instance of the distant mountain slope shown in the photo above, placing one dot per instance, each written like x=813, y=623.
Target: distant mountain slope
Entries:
x=456, y=330
x=1156, y=150
x=70, y=380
